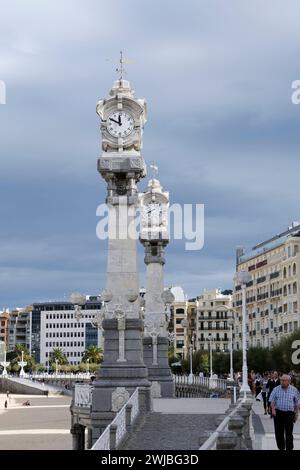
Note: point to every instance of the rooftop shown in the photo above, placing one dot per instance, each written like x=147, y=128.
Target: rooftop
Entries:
x=271, y=243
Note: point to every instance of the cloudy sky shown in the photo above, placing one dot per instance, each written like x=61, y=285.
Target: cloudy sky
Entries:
x=221, y=126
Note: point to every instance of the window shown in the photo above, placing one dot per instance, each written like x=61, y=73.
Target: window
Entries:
x=295, y=288
x=179, y=310
x=294, y=269
x=284, y=273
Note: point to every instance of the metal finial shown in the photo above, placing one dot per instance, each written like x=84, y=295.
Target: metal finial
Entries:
x=121, y=70
x=154, y=170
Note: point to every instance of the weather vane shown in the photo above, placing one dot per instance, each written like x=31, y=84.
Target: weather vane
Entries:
x=154, y=170
x=121, y=70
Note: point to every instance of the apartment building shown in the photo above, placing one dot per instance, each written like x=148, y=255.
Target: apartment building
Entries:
x=212, y=327
x=272, y=294
x=19, y=327
x=4, y=320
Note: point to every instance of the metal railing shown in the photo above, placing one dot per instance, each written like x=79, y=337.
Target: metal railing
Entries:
x=116, y=431
x=83, y=395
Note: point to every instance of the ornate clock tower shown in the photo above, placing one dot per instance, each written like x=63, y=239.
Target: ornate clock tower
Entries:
x=122, y=166
x=154, y=236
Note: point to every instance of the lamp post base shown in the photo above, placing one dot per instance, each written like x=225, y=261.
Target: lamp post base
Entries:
x=191, y=378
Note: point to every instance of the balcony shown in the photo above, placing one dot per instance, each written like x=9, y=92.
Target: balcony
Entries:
x=262, y=296
x=274, y=275
x=261, y=279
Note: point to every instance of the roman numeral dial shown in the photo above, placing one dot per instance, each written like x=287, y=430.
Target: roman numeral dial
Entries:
x=120, y=124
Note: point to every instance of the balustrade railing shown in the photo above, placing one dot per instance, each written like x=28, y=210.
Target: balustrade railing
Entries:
x=235, y=432
x=83, y=395
x=208, y=382
x=116, y=431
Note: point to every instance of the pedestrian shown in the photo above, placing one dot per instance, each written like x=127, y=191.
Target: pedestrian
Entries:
x=258, y=384
x=7, y=393
x=285, y=400
x=5, y=404
x=272, y=383
x=264, y=391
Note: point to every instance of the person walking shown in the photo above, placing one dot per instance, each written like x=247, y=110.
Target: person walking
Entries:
x=272, y=383
x=264, y=391
x=285, y=401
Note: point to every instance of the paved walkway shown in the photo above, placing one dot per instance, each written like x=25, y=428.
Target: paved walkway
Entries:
x=52, y=389
x=191, y=405
x=264, y=430
x=44, y=425
x=176, y=424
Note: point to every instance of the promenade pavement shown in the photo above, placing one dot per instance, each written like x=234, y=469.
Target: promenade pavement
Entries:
x=264, y=430
x=44, y=425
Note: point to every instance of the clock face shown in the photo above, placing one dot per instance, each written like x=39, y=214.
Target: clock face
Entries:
x=152, y=214
x=120, y=124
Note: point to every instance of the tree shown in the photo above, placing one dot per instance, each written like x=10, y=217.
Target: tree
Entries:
x=15, y=356
x=94, y=354
x=58, y=354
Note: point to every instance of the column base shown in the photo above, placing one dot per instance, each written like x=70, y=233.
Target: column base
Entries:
x=160, y=375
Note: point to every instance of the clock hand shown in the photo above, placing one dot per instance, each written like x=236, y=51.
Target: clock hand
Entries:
x=120, y=122
x=117, y=122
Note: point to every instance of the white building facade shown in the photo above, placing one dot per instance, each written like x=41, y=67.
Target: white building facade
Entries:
x=212, y=327
x=54, y=325
x=272, y=295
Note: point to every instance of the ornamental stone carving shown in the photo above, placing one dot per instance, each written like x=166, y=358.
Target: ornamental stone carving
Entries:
x=119, y=397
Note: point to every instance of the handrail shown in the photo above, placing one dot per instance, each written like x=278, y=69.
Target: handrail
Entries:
x=212, y=440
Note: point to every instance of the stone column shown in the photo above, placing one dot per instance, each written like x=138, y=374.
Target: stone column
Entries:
x=154, y=236
x=156, y=343
x=123, y=368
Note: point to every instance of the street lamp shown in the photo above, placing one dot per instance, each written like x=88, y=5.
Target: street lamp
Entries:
x=243, y=277
x=210, y=339
x=4, y=364
x=22, y=364
x=230, y=323
x=88, y=366
x=78, y=300
x=185, y=325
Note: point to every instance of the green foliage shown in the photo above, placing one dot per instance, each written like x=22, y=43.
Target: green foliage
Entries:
x=58, y=354
x=94, y=354
x=259, y=359
x=15, y=356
